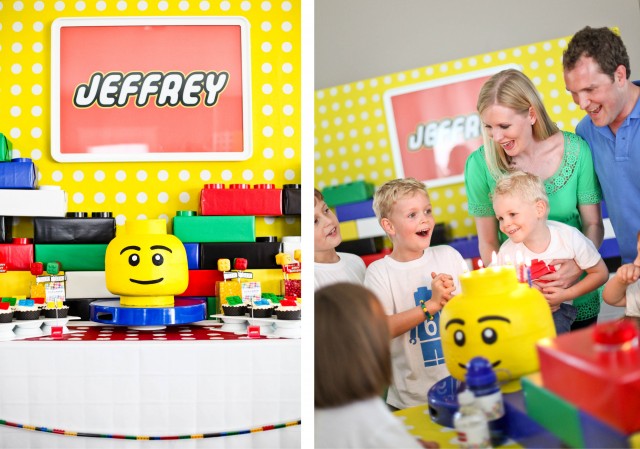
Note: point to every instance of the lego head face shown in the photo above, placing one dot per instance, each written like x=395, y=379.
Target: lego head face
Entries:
x=146, y=261
x=499, y=319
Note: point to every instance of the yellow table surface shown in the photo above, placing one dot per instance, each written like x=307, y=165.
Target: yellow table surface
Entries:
x=419, y=424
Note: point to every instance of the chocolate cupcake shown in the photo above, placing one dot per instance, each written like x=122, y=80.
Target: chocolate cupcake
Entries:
x=6, y=315
x=234, y=310
x=60, y=312
x=23, y=313
x=288, y=310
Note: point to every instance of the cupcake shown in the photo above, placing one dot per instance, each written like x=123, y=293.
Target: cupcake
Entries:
x=288, y=309
x=59, y=312
x=6, y=315
x=28, y=312
x=262, y=308
x=234, y=306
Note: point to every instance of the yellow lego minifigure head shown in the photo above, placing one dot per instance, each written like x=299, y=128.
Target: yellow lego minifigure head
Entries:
x=498, y=318
x=145, y=265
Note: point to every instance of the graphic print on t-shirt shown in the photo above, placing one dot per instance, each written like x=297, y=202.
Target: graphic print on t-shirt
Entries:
x=427, y=333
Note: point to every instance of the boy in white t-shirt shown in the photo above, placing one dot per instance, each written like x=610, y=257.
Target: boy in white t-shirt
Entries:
x=522, y=206
x=623, y=289
x=330, y=266
x=410, y=291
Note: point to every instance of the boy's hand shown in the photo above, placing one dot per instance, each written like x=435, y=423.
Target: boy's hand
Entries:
x=628, y=274
x=555, y=296
x=442, y=287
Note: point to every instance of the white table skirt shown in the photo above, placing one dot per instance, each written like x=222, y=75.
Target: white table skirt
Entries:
x=150, y=388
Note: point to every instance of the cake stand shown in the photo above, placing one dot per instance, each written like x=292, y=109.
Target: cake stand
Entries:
x=28, y=328
x=6, y=331
x=184, y=311
x=287, y=328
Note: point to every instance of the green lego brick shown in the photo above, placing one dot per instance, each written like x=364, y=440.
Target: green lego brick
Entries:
x=5, y=149
x=348, y=193
x=558, y=416
x=212, y=307
x=73, y=256
x=215, y=229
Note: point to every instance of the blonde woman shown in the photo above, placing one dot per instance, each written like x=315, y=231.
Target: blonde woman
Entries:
x=519, y=135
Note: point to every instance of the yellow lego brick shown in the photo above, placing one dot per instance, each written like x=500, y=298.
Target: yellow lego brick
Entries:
x=634, y=441
x=224, y=289
x=349, y=230
x=16, y=283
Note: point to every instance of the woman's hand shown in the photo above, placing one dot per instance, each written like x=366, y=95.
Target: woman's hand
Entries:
x=564, y=277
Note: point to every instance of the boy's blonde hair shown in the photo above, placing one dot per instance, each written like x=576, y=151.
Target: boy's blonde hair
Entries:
x=388, y=193
x=524, y=186
x=352, y=354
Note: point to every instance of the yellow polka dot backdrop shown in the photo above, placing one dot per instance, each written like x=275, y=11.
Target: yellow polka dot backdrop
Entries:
x=133, y=190
x=352, y=139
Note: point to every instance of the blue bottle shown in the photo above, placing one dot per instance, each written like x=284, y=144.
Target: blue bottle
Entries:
x=481, y=379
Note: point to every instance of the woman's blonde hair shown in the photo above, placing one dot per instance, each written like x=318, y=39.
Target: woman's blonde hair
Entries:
x=352, y=345
x=512, y=89
x=523, y=186
x=388, y=193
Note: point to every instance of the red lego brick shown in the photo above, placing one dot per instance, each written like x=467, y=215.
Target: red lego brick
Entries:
x=241, y=199
x=202, y=282
x=370, y=258
x=598, y=370
x=17, y=256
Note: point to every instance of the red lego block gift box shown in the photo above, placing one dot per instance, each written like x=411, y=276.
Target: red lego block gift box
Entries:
x=598, y=370
x=240, y=199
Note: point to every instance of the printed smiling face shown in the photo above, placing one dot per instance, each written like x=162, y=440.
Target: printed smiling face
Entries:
x=499, y=319
x=410, y=225
x=146, y=261
x=509, y=129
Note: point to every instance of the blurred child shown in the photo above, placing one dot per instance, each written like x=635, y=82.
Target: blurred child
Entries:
x=331, y=266
x=521, y=206
x=352, y=369
x=409, y=289
x=623, y=289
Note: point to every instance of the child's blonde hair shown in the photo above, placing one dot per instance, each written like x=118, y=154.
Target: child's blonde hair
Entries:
x=524, y=186
x=388, y=193
x=352, y=353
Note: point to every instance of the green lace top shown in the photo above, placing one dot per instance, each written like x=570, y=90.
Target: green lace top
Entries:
x=574, y=183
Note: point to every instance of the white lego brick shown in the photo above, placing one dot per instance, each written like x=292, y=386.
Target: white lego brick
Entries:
x=47, y=201
x=369, y=227
x=608, y=229
x=87, y=284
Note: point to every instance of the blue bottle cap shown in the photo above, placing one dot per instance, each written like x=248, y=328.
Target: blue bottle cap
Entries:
x=480, y=372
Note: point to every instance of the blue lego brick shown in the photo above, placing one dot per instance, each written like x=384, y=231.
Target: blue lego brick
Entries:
x=598, y=434
x=522, y=428
x=605, y=212
x=609, y=248
x=354, y=211
x=467, y=247
x=193, y=255
x=20, y=173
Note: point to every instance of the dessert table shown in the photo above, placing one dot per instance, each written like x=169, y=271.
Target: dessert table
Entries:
x=193, y=381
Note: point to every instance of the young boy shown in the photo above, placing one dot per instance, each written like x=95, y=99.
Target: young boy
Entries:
x=410, y=291
x=623, y=289
x=522, y=206
x=331, y=266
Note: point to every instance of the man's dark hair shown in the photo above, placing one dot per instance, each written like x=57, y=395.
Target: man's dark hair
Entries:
x=601, y=44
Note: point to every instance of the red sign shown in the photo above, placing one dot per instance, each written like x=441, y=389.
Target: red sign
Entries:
x=434, y=126
x=150, y=89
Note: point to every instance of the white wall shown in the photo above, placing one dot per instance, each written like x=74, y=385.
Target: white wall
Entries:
x=361, y=39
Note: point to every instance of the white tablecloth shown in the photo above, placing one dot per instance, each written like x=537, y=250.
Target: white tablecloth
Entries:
x=150, y=388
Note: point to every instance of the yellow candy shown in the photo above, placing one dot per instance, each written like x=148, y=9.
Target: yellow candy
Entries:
x=224, y=265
